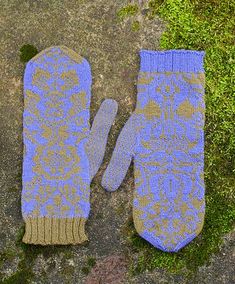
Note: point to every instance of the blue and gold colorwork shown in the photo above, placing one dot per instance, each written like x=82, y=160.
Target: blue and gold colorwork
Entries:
x=61, y=153
x=166, y=139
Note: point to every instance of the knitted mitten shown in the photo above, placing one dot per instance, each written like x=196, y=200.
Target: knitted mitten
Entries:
x=61, y=153
x=165, y=137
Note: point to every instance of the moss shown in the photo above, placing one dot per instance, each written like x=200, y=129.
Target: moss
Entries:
x=7, y=255
x=202, y=25
x=135, y=26
x=21, y=276
x=129, y=10
x=27, y=51
x=67, y=270
x=28, y=255
x=91, y=261
x=154, y=6
x=86, y=270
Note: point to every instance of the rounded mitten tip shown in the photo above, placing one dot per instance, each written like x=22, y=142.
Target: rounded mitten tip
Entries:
x=110, y=105
x=107, y=186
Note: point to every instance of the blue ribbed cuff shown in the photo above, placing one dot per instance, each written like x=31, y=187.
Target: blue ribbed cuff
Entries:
x=171, y=61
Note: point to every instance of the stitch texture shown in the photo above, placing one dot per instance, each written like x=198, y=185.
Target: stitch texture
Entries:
x=166, y=139
x=61, y=153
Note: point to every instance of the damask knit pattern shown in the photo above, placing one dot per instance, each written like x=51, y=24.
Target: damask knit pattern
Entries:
x=166, y=139
x=58, y=162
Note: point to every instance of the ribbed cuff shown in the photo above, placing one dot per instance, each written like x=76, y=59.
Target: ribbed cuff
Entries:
x=171, y=61
x=54, y=231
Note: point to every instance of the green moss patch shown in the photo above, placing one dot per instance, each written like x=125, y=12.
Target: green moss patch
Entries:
x=28, y=254
x=27, y=52
x=203, y=25
x=130, y=10
x=91, y=261
x=135, y=26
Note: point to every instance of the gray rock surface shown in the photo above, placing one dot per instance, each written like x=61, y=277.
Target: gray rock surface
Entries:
x=92, y=29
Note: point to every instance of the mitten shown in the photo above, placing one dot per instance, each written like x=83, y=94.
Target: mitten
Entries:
x=61, y=153
x=164, y=136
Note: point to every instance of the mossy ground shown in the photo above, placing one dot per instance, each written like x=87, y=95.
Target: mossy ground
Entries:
x=192, y=24
x=129, y=10
x=91, y=261
x=203, y=25
x=28, y=254
x=27, y=51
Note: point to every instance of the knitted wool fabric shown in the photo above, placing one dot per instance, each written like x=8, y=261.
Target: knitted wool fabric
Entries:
x=165, y=137
x=61, y=153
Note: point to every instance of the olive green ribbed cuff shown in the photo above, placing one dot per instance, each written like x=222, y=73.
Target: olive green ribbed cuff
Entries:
x=54, y=231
